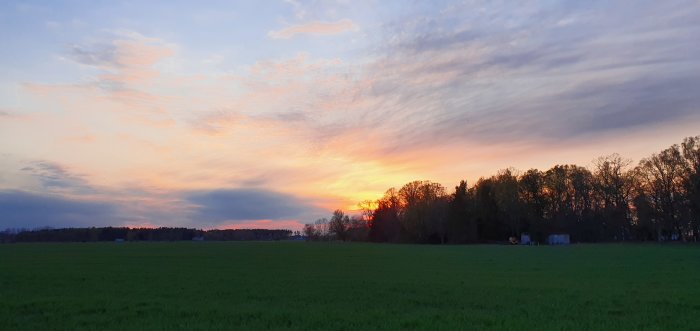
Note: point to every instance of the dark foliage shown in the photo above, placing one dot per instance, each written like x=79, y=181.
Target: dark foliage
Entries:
x=139, y=234
x=658, y=200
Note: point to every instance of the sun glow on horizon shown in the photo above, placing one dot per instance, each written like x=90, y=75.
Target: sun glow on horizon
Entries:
x=286, y=111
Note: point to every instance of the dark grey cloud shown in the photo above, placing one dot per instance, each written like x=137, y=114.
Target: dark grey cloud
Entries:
x=202, y=209
x=64, y=198
x=245, y=204
x=19, y=209
x=590, y=108
x=54, y=176
x=639, y=102
x=69, y=200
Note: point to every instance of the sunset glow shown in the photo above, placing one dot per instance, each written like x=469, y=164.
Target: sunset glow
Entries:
x=272, y=115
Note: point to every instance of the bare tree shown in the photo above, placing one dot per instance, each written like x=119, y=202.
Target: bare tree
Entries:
x=612, y=183
x=660, y=180
x=339, y=225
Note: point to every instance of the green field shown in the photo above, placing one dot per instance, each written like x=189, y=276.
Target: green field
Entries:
x=300, y=286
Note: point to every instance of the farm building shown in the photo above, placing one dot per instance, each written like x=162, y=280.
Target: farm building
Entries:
x=558, y=239
x=525, y=239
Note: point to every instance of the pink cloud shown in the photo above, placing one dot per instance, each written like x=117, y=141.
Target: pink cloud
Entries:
x=138, y=53
x=8, y=115
x=315, y=28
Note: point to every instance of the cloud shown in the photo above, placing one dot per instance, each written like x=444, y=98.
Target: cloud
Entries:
x=225, y=205
x=11, y=115
x=55, y=177
x=125, y=61
x=215, y=122
x=217, y=208
x=124, y=75
x=278, y=96
x=315, y=28
x=100, y=55
x=299, y=10
x=30, y=210
x=505, y=73
x=122, y=50
x=441, y=90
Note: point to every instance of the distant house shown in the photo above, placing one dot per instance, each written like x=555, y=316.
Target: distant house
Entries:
x=559, y=239
x=198, y=238
x=525, y=239
x=119, y=240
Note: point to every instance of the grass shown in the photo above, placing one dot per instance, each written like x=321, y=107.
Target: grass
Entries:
x=301, y=286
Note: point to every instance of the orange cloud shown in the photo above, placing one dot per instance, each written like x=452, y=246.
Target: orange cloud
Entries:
x=322, y=130
x=141, y=53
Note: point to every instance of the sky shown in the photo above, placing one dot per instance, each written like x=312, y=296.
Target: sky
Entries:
x=271, y=114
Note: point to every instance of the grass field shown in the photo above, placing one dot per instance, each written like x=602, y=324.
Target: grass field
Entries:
x=297, y=285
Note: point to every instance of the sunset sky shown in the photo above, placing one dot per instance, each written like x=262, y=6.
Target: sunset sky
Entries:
x=270, y=114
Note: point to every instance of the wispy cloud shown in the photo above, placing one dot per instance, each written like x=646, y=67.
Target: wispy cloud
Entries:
x=318, y=28
x=514, y=74
x=123, y=80
x=299, y=10
x=444, y=91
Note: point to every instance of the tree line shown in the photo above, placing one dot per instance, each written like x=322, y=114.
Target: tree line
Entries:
x=140, y=234
x=656, y=200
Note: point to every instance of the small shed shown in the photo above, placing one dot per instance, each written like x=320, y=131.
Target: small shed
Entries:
x=525, y=239
x=559, y=239
x=198, y=238
x=119, y=240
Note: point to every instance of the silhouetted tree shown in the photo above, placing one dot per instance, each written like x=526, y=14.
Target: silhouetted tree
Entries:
x=339, y=225
x=385, y=226
x=422, y=216
x=691, y=156
x=461, y=225
x=358, y=229
x=660, y=179
x=144, y=234
x=310, y=232
x=506, y=194
x=612, y=183
x=485, y=209
x=534, y=203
